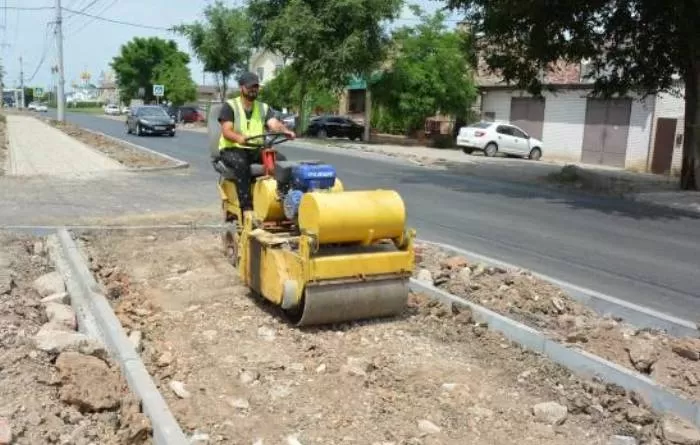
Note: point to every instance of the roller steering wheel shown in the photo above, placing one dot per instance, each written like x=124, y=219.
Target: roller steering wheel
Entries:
x=269, y=139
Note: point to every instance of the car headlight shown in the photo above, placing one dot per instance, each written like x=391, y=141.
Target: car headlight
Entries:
x=172, y=121
x=144, y=121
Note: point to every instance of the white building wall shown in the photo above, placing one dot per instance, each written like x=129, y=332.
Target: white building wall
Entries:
x=268, y=63
x=638, y=139
x=564, y=123
x=498, y=102
x=564, y=118
x=671, y=106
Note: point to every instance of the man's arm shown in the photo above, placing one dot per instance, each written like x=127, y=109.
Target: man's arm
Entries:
x=226, y=120
x=275, y=124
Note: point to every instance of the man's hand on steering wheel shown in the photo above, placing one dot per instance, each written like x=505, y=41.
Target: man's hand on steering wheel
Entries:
x=290, y=134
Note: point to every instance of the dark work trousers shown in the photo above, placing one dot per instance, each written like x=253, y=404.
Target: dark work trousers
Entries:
x=239, y=160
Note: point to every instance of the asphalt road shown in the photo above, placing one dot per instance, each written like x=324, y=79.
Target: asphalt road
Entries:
x=643, y=254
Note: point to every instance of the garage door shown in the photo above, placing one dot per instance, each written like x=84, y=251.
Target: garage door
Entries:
x=606, y=131
x=663, y=145
x=528, y=114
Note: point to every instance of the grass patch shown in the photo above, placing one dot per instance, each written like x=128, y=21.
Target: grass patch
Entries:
x=87, y=110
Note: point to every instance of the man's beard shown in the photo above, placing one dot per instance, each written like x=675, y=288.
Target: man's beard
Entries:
x=251, y=95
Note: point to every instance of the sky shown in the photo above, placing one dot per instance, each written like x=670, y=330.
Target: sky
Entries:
x=90, y=44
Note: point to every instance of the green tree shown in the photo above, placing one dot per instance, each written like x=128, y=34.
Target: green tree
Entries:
x=429, y=73
x=633, y=45
x=221, y=42
x=284, y=91
x=328, y=41
x=177, y=79
x=144, y=61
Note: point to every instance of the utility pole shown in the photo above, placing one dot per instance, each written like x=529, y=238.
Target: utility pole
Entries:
x=21, y=82
x=61, y=98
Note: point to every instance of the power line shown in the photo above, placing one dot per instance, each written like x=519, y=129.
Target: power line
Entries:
x=119, y=22
x=43, y=51
x=90, y=20
x=83, y=9
x=28, y=8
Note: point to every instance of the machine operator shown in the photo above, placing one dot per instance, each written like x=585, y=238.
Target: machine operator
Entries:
x=240, y=118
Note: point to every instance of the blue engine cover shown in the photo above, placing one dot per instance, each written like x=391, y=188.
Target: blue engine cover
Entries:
x=306, y=177
x=291, y=203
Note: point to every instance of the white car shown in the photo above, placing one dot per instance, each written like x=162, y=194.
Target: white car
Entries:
x=112, y=109
x=41, y=108
x=495, y=137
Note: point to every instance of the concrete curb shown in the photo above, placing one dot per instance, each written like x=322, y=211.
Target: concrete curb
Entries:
x=116, y=227
x=101, y=322
x=603, y=304
x=178, y=162
x=577, y=361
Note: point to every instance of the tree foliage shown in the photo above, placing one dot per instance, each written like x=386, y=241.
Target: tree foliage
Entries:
x=327, y=40
x=284, y=92
x=222, y=42
x=430, y=72
x=177, y=79
x=633, y=46
x=144, y=61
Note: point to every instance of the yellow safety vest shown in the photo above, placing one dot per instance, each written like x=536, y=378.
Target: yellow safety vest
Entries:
x=242, y=125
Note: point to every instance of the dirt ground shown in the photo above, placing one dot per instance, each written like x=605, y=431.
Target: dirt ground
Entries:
x=123, y=153
x=3, y=143
x=518, y=295
x=233, y=371
x=51, y=393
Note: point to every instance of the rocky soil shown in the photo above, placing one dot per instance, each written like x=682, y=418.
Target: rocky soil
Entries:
x=57, y=386
x=673, y=362
x=125, y=154
x=233, y=371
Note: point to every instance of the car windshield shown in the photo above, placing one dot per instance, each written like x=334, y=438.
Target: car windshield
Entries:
x=155, y=112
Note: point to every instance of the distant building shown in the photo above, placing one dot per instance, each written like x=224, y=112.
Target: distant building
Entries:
x=266, y=65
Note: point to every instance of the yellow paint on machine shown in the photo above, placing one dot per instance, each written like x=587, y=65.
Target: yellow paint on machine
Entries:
x=266, y=201
x=353, y=216
x=359, y=265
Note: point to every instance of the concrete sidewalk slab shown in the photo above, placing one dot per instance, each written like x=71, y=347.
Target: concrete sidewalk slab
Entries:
x=37, y=148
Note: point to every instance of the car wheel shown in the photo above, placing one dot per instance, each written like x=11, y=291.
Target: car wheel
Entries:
x=535, y=154
x=322, y=133
x=468, y=150
x=128, y=129
x=171, y=134
x=139, y=132
x=491, y=150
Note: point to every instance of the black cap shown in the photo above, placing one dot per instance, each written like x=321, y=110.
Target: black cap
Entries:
x=248, y=79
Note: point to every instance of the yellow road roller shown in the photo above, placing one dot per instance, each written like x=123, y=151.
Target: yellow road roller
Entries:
x=323, y=254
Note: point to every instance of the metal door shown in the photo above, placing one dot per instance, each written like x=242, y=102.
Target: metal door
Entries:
x=606, y=132
x=663, y=145
x=528, y=114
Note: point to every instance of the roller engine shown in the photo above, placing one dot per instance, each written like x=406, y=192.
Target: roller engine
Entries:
x=296, y=179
